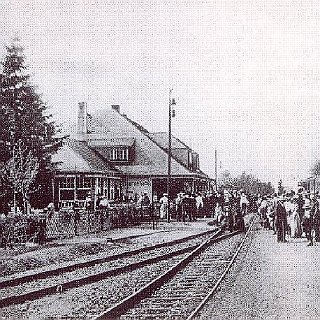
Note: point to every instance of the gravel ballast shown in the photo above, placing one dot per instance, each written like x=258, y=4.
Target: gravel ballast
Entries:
x=87, y=301
x=96, y=269
x=85, y=248
x=180, y=296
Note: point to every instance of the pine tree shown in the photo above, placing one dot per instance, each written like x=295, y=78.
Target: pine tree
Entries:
x=24, y=120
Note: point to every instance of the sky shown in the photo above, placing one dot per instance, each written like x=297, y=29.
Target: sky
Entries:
x=245, y=73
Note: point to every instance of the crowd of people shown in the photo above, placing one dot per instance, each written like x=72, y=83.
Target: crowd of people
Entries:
x=292, y=215
x=227, y=208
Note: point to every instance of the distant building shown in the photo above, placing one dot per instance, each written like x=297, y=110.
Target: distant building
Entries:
x=129, y=160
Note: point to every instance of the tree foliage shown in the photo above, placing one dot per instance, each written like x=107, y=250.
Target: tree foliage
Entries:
x=25, y=122
x=315, y=170
x=246, y=182
x=19, y=173
x=226, y=181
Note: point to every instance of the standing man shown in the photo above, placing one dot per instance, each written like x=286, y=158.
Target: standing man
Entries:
x=263, y=208
x=300, y=203
x=312, y=222
x=281, y=220
x=145, y=205
x=178, y=203
x=145, y=202
x=88, y=202
x=189, y=203
x=307, y=218
x=316, y=219
x=104, y=206
x=193, y=207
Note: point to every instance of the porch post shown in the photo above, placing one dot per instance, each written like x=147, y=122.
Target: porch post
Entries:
x=96, y=191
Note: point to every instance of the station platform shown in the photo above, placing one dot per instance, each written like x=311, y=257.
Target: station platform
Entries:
x=270, y=281
x=145, y=228
x=163, y=230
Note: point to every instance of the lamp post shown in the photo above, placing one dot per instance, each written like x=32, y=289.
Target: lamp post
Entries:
x=171, y=114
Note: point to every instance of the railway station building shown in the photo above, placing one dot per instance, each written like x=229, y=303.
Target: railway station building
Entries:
x=123, y=160
x=81, y=173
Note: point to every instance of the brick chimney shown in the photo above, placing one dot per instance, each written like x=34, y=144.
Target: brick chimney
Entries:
x=82, y=118
x=116, y=107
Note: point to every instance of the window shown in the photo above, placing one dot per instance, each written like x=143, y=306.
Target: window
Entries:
x=66, y=195
x=66, y=189
x=195, y=160
x=82, y=194
x=67, y=182
x=84, y=185
x=119, y=154
x=189, y=160
x=84, y=182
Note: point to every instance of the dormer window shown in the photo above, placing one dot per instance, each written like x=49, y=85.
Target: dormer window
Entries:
x=193, y=161
x=117, y=150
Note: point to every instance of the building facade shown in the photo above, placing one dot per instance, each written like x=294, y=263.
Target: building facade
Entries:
x=132, y=160
x=81, y=174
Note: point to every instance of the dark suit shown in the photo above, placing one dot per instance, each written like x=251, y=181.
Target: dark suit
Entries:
x=281, y=222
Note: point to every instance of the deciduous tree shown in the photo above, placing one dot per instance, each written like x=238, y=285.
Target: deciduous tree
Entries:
x=315, y=170
x=19, y=174
x=246, y=182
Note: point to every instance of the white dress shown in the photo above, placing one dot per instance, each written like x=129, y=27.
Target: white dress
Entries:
x=295, y=223
x=163, y=207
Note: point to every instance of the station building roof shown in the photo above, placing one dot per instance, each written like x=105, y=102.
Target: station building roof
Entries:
x=151, y=156
x=77, y=156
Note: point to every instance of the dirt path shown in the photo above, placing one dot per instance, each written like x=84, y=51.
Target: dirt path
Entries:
x=273, y=281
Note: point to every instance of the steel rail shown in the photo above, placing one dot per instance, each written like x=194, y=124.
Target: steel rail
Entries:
x=32, y=276
x=36, y=294
x=217, y=284
x=128, y=303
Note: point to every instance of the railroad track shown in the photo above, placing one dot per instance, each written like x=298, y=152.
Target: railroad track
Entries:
x=36, y=285
x=183, y=290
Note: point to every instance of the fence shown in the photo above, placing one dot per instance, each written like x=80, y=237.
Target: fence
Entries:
x=68, y=223
x=39, y=227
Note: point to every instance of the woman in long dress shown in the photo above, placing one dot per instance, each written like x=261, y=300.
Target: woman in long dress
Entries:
x=218, y=216
x=295, y=222
x=164, y=206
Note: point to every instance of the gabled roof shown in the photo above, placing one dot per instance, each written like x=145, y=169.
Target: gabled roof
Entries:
x=162, y=138
x=150, y=157
x=111, y=142
x=77, y=156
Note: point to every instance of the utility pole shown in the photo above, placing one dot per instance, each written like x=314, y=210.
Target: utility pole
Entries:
x=170, y=114
x=216, y=168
